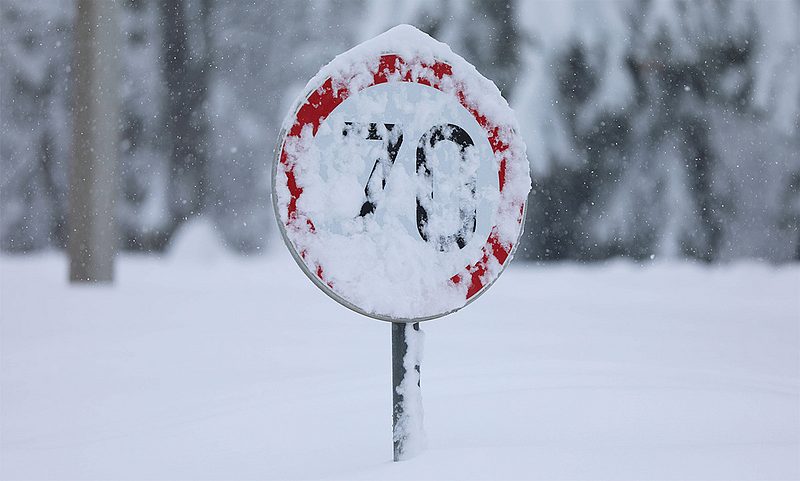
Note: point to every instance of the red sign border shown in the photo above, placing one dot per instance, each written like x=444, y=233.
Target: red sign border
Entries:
x=324, y=99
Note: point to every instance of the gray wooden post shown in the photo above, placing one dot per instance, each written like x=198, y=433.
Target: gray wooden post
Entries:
x=91, y=234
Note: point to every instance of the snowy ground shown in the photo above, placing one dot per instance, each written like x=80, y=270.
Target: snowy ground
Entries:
x=242, y=369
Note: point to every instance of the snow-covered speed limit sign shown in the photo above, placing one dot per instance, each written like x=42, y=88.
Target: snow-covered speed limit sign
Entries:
x=400, y=180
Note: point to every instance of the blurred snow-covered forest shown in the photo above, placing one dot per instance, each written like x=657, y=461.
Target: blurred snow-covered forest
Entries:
x=654, y=128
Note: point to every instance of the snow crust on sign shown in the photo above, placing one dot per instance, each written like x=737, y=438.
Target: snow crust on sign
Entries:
x=376, y=257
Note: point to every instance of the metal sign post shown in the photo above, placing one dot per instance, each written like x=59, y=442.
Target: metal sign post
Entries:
x=404, y=381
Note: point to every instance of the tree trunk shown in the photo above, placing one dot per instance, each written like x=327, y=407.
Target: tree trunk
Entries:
x=186, y=69
x=92, y=236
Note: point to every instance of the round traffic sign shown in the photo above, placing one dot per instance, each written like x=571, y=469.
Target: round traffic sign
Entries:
x=400, y=181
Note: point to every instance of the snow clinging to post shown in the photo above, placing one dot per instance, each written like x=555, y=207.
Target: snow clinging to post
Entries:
x=409, y=432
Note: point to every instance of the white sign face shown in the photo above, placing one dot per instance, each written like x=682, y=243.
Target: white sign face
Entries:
x=399, y=182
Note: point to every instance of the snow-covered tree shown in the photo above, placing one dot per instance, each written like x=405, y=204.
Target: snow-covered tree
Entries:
x=661, y=128
x=34, y=133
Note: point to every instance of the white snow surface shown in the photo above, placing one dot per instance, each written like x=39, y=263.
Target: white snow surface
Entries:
x=379, y=262
x=242, y=369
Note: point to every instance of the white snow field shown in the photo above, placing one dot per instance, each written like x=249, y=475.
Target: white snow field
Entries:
x=204, y=366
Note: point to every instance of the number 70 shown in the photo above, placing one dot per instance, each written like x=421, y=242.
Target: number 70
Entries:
x=380, y=172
